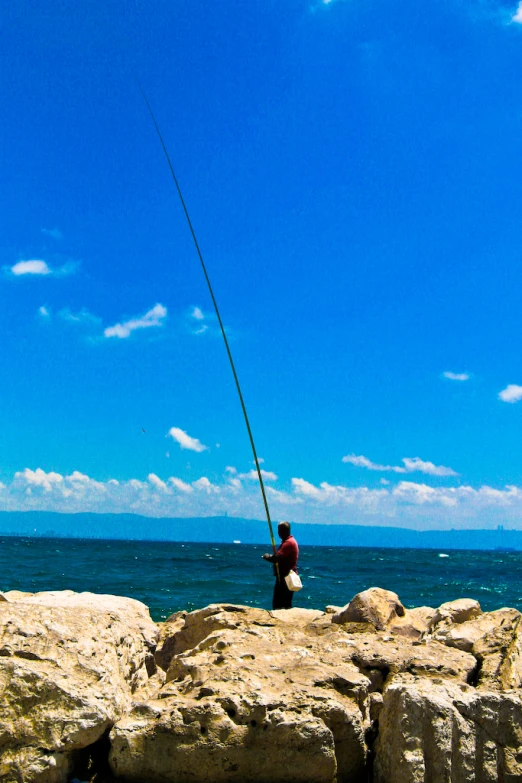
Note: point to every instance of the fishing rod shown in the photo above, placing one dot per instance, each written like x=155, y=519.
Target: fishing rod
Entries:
x=214, y=302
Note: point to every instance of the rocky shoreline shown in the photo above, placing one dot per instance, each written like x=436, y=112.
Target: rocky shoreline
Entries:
x=91, y=688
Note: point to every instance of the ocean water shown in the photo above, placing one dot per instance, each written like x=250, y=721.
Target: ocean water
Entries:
x=168, y=576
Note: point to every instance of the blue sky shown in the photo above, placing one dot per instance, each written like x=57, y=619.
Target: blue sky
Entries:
x=353, y=172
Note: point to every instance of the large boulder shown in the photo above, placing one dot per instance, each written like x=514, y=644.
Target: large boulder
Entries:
x=442, y=731
x=268, y=696
x=250, y=695
x=375, y=606
x=69, y=665
x=495, y=639
x=459, y=611
x=414, y=624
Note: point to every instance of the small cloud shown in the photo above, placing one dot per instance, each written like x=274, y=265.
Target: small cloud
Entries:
x=200, y=326
x=44, y=312
x=154, y=317
x=229, y=469
x=268, y=475
x=55, y=233
x=517, y=16
x=185, y=441
x=83, y=316
x=410, y=465
x=364, y=462
x=200, y=322
x=414, y=464
x=323, y=4
x=38, y=267
x=456, y=376
x=35, y=267
x=511, y=393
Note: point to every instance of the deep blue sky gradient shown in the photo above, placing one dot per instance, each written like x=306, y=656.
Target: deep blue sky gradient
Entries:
x=354, y=175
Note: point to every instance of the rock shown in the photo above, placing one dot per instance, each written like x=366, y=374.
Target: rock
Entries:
x=413, y=624
x=330, y=609
x=249, y=695
x=298, y=618
x=69, y=664
x=458, y=611
x=2, y=597
x=243, y=694
x=499, y=651
x=423, y=614
x=443, y=731
x=375, y=605
x=268, y=696
x=495, y=640
x=15, y=595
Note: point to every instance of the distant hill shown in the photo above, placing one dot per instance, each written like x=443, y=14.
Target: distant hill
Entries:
x=248, y=531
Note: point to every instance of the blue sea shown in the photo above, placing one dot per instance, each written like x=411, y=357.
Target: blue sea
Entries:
x=168, y=576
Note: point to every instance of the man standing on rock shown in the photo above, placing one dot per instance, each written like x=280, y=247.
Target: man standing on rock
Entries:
x=286, y=558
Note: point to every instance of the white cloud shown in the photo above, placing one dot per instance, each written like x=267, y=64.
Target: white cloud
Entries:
x=157, y=482
x=512, y=393
x=38, y=478
x=82, y=316
x=410, y=465
x=55, y=233
x=181, y=485
x=413, y=464
x=36, y=267
x=39, y=268
x=517, y=16
x=267, y=475
x=44, y=312
x=154, y=317
x=364, y=462
x=185, y=440
x=456, y=376
x=204, y=484
x=323, y=3
x=201, y=320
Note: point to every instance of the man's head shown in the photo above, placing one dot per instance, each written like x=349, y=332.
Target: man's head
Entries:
x=283, y=530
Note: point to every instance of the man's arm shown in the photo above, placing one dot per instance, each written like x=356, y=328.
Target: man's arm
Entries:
x=285, y=552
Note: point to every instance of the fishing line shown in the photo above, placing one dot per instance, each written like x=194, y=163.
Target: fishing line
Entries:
x=214, y=302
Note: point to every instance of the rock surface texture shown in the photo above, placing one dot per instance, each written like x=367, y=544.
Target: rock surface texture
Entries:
x=69, y=665
x=369, y=692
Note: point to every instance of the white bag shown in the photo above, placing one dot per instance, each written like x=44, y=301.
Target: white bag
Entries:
x=293, y=582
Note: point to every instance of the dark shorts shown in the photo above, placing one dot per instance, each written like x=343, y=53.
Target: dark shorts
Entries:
x=282, y=596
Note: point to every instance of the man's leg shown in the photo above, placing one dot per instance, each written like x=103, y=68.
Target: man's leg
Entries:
x=282, y=596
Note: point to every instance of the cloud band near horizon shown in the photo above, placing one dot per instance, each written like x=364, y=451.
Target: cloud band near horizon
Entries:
x=406, y=504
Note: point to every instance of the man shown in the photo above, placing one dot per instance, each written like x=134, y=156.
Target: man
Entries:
x=286, y=558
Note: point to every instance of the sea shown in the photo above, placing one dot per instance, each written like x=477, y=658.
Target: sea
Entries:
x=173, y=576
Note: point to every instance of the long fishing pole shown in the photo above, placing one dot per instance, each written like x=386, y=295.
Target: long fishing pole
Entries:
x=214, y=302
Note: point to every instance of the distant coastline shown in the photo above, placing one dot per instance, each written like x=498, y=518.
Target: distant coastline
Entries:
x=225, y=529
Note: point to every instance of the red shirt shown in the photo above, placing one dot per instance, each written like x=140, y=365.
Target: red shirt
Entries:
x=287, y=555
